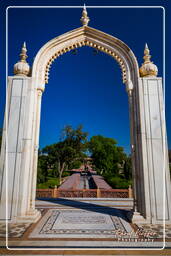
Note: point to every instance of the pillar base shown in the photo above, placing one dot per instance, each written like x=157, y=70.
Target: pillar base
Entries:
x=31, y=217
x=136, y=218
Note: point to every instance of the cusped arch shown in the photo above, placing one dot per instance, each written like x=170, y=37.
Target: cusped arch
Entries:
x=80, y=37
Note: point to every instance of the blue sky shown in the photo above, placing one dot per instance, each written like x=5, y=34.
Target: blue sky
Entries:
x=86, y=88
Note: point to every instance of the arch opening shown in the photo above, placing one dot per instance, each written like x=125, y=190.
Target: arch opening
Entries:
x=109, y=99
x=78, y=38
x=90, y=44
x=86, y=36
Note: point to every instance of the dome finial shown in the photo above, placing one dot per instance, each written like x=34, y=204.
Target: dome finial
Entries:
x=23, y=54
x=84, y=19
x=22, y=67
x=148, y=68
x=147, y=55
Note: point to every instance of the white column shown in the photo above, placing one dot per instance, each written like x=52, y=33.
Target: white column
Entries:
x=155, y=177
x=131, y=121
x=17, y=147
x=36, y=146
x=132, y=94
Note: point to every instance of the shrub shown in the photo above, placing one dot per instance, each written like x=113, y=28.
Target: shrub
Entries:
x=117, y=182
x=50, y=183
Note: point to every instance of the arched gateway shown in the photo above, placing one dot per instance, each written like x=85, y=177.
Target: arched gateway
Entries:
x=152, y=191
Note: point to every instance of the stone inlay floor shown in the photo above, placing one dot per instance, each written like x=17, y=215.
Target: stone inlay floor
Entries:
x=84, y=223
x=14, y=230
x=158, y=229
x=80, y=223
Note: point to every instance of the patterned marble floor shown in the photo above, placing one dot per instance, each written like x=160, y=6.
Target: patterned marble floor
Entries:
x=13, y=230
x=69, y=224
x=158, y=229
x=81, y=223
x=65, y=223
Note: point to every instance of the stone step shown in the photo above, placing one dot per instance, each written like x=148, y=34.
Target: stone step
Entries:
x=126, y=203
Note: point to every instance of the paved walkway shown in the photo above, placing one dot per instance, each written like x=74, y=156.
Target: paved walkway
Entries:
x=85, y=224
x=85, y=180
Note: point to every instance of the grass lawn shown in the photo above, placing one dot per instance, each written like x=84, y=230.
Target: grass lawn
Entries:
x=50, y=183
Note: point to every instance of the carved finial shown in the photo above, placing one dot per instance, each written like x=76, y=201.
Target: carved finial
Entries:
x=147, y=55
x=148, y=68
x=22, y=67
x=23, y=54
x=84, y=19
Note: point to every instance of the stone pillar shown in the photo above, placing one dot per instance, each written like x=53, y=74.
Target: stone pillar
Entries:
x=15, y=168
x=153, y=173
x=55, y=192
x=98, y=193
x=131, y=96
x=36, y=146
x=130, y=194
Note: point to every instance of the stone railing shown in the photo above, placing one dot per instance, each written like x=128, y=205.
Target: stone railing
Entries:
x=77, y=193
x=83, y=193
x=45, y=193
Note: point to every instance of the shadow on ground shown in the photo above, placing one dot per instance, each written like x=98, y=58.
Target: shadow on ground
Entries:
x=122, y=213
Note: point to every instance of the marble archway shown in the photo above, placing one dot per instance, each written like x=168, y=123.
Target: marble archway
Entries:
x=147, y=122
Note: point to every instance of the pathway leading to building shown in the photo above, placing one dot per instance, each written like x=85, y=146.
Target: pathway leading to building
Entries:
x=83, y=178
x=84, y=182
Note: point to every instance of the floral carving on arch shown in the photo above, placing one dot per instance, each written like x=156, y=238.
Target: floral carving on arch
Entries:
x=84, y=36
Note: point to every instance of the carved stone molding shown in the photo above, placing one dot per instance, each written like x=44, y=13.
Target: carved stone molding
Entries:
x=84, y=36
x=93, y=45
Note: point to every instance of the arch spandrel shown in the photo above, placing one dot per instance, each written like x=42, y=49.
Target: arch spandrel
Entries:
x=85, y=36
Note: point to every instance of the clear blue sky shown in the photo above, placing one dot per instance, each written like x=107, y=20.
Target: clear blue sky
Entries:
x=86, y=88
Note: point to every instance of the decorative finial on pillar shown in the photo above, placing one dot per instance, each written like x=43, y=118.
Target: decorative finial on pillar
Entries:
x=84, y=19
x=148, y=68
x=22, y=67
x=146, y=57
x=23, y=53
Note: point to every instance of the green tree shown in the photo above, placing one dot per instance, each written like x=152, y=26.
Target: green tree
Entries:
x=66, y=153
x=75, y=138
x=0, y=138
x=169, y=155
x=170, y=160
x=107, y=157
x=42, y=169
x=127, y=168
x=110, y=161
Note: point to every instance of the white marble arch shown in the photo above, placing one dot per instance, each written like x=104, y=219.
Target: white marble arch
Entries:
x=147, y=129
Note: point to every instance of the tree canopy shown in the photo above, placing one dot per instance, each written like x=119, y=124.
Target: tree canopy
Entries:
x=0, y=138
x=109, y=160
x=67, y=152
x=107, y=156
